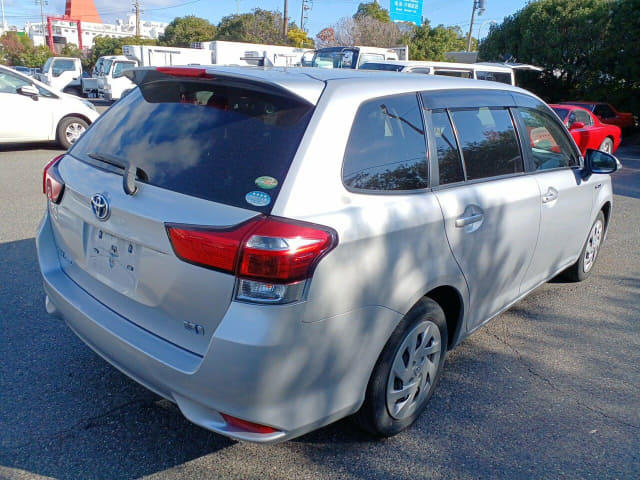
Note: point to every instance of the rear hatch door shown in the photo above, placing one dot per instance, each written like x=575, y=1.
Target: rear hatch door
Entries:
x=203, y=153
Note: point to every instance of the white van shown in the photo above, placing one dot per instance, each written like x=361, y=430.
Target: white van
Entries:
x=496, y=72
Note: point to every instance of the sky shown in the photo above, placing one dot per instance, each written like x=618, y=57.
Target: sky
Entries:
x=323, y=13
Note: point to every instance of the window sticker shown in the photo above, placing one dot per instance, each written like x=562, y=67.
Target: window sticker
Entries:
x=258, y=199
x=266, y=182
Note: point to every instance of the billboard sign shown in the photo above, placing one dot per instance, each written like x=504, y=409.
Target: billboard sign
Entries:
x=406, y=11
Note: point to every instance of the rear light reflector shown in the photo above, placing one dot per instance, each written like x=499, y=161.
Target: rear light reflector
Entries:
x=52, y=183
x=272, y=257
x=247, y=426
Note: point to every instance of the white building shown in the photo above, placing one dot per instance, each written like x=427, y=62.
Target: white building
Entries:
x=69, y=30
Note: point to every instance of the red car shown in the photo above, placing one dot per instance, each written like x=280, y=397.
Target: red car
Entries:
x=607, y=113
x=587, y=130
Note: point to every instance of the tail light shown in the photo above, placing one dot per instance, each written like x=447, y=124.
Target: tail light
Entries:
x=52, y=183
x=247, y=426
x=271, y=257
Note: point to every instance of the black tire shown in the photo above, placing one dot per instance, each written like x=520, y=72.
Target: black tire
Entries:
x=69, y=129
x=580, y=270
x=376, y=415
x=606, y=145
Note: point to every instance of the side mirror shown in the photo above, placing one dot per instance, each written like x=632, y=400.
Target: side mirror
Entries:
x=576, y=125
x=597, y=161
x=29, y=91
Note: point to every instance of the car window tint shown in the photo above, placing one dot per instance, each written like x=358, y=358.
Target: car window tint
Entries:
x=584, y=117
x=449, y=162
x=455, y=73
x=502, y=77
x=203, y=139
x=423, y=70
x=386, y=148
x=488, y=141
x=548, y=144
x=11, y=83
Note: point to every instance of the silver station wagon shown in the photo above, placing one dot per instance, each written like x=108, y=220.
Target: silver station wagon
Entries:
x=275, y=249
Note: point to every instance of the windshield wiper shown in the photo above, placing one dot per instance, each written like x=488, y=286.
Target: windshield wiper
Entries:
x=130, y=170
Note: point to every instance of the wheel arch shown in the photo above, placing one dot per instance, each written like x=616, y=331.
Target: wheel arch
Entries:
x=450, y=300
x=74, y=115
x=606, y=211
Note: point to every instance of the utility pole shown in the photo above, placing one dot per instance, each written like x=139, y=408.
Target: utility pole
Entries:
x=137, y=9
x=480, y=6
x=4, y=22
x=41, y=2
x=285, y=20
x=306, y=6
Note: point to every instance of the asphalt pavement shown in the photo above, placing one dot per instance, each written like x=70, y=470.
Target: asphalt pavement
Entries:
x=547, y=390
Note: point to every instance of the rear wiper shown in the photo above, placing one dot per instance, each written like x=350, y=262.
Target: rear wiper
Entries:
x=130, y=170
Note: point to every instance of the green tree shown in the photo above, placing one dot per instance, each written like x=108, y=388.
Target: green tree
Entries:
x=373, y=10
x=183, y=31
x=565, y=37
x=259, y=26
x=106, y=45
x=18, y=49
x=298, y=38
x=426, y=43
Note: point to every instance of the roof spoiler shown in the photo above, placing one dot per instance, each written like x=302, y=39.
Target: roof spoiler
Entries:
x=146, y=75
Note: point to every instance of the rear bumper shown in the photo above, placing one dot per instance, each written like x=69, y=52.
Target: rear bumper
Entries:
x=265, y=365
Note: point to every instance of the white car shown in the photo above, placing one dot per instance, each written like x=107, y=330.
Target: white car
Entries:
x=33, y=112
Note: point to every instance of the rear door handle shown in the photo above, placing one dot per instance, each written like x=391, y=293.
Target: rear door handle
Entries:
x=550, y=196
x=468, y=220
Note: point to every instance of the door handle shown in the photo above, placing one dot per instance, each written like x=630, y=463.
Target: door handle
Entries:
x=550, y=196
x=468, y=220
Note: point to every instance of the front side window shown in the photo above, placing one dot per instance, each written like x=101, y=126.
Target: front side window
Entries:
x=584, y=117
x=11, y=83
x=547, y=142
x=386, y=148
x=488, y=141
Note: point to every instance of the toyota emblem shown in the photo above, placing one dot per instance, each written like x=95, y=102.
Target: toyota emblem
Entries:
x=100, y=207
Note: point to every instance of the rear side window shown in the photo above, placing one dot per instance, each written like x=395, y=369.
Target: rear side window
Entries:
x=502, y=77
x=449, y=162
x=204, y=139
x=488, y=141
x=386, y=148
x=548, y=144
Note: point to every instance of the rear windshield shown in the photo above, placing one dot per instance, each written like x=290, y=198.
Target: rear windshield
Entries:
x=220, y=143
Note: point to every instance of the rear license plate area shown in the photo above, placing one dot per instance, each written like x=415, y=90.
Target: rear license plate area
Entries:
x=113, y=260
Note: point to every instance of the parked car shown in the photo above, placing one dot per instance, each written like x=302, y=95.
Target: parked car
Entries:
x=494, y=72
x=37, y=113
x=607, y=113
x=374, y=222
x=587, y=130
x=24, y=70
x=62, y=73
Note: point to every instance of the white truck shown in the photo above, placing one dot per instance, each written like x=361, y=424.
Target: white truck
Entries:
x=255, y=54
x=111, y=81
x=62, y=73
x=159, y=56
x=354, y=56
